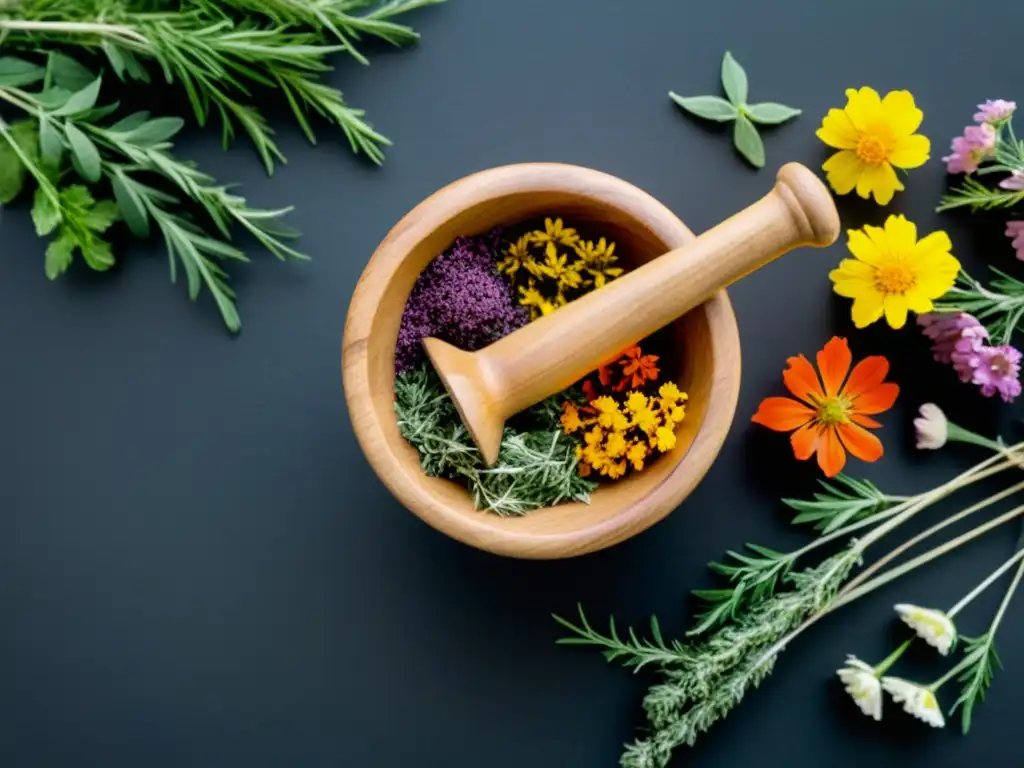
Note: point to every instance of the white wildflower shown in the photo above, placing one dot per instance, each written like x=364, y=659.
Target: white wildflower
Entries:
x=916, y=700
x=934, y=627
x=863, y=686
x=932, y=427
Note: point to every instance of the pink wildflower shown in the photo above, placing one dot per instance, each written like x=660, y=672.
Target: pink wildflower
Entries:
x=998, y=370
x=1015, y=230
x=1014, y=182
x=994, y=111
x=977, y=143
x=959, y=339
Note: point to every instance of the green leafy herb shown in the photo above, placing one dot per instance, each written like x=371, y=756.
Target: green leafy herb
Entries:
x=217, y=52
x=973, y=194
x=127, y=165
x=999, y=305
x=846, y=502
x=745, y=136
x=536, y=468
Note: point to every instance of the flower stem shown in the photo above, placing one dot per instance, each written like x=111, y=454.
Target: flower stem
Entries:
x=885, y=560
x=965, y=662
x=968, y=598
x=893, y=657
x=956, y=433
x=848, y=596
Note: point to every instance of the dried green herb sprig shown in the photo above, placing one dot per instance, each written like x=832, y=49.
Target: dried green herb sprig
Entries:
x=536, y=466
x=745, y=136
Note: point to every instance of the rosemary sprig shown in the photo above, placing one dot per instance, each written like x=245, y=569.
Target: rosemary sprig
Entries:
x=999, y=306
x=218, y=52
x=848, y=501
x=67, y=136
x=1009, y=157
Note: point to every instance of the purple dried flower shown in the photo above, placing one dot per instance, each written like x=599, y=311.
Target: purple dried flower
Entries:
x=969, y=150
x=998, y=370
x=459, y=298
x=995, y=111
x=958, y=339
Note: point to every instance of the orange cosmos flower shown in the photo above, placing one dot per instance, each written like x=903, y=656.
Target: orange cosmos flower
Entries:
x=830, y=419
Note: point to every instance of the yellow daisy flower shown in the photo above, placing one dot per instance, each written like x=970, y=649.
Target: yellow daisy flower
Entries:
x=597, y=259
x=555, y=267
x=536, y=302
x=555, y=232
x=873, y=135
x=517, y=255
x=893, y=272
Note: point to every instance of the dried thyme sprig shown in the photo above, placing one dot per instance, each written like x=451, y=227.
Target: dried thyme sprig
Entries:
x=536, y=468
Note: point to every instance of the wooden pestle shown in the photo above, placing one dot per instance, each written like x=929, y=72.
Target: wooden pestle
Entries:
x=555, y=351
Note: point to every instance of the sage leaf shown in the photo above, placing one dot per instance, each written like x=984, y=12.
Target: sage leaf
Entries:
x=734, y=80
x=51, y=145
x=129, y=123
x=12, y=171
x=53, y=98
x=133, y=209
x=748, y=142
x=27, y=138
x=770, y=113
x=81, y=101
x=45, y=215
x=15, y=72
x=708, y=107
x=68, y=73
x=59, y=255
x=84, y=155
x=117, y=62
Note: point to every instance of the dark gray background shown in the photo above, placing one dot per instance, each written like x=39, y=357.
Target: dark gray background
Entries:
x=197, y=566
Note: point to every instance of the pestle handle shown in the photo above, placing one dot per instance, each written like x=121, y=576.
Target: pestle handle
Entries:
x=555, y=351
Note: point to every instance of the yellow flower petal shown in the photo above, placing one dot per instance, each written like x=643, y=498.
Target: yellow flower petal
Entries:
x=896, y=310
x=852, y=269
x=901, y=113
x=901, y=234
x=867, y=308
x=843, y=169
x=936, y=242
x=863, y=247
x=879, y=181
x=852, y=288
x=910, y=151
x=837, y=130
x=864, y=108
x=935, y=286
x=918, y=302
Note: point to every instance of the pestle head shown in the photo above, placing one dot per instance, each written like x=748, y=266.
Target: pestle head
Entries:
x=810, y=204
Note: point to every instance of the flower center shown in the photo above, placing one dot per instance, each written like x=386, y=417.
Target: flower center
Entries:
x=872, y=150
x=894, y=278
x=832, y=411
x=1001, y=365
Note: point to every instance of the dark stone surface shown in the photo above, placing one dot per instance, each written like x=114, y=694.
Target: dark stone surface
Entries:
x=197, y=566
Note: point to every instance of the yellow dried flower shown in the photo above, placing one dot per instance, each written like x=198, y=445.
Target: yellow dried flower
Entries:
x=571, y=421
x=517, y=255
x=616, y=445
x=664, y=439
x=597, y=260
x=555, y=232
x=636, y=454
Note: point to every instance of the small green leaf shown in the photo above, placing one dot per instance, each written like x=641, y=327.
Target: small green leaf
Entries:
x=26, y=136
x=129, y=123
x=68, y=73
x=81, y=101
x=770, y=113
x=155, y=131
x=53, y=98
x=708, y=107
x=59, y=255
x=84, y=154
x=115, y=58
x=748, y=142
x=76, y=196
x=16, y=73
x=12, y=171
x=101, y=216
x=734, y=80
x=133, y=209
x=97, y=254
x=51, y=146
x=45, y=215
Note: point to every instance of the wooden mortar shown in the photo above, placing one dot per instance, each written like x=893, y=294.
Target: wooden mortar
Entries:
x=701, y=350
x=555, y=351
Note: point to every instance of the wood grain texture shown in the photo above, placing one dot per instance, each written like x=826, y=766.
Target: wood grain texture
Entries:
x=555, y=351
x=703, y=358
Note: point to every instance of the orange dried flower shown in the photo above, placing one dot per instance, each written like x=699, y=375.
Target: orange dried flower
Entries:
x=829, y=416
x=642, y=368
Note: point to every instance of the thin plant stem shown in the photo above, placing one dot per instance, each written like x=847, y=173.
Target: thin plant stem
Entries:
x=970, y=596
x=966, y=662
x=952, y=520
x=72, y=28
x=895, y=573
